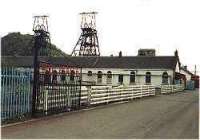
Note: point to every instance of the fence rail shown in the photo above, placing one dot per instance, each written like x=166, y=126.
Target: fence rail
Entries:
x=15, y=93
x=97, y=95
x=165, y=89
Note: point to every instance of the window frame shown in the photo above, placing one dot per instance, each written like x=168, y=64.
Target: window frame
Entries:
x=132, y=76
x=148, y=78
x=120, y=78
x=165, y=77
x=109, y=77
x=99, y=76
x=89, y=73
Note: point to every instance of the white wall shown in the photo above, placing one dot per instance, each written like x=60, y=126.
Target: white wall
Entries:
x=188, y=76
x=156, y=75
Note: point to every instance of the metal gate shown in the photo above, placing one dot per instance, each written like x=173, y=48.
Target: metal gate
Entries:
x=58, y=89
x=15, y=93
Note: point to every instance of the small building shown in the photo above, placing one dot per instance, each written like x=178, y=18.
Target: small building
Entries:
x=186, y=72
x=190, y=80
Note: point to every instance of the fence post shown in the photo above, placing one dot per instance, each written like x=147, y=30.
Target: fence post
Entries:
x=121, y=94
x=172, y=88
x=80, y=82
x=46, y=101
x=29, y=90
x=36, y=72
x=89, y=91
x=132, y=94
x=141, y=91
x=182, y=87
x=107, y=90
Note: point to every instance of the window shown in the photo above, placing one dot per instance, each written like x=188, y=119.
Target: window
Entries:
x=132, y=77
x=47, y=78
x=165, y=78
x=148, y=78
x=72, y=74
x=54, y=78
x=109, y=77
x=63, y=76
x=120, y=80
x=89, y=73
x=99, y=77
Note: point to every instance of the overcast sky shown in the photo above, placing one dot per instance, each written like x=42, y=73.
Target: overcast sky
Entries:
x=125, y=25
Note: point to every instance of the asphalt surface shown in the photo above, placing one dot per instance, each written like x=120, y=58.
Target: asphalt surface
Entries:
x=163, y=116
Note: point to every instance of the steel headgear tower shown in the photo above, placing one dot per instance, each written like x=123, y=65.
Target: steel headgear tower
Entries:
x=42, y=35
x=41, y=39
x=88, y=44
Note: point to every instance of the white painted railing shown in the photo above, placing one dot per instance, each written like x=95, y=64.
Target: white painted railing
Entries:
x=105, y=94
x=171, y=88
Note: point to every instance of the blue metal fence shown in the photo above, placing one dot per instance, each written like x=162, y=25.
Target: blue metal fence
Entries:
x=16, y=93
x=190, y=85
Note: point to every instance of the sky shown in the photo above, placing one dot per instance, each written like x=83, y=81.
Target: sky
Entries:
x=122, y=25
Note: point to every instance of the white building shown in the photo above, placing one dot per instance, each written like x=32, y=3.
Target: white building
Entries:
x=186, y=72
x=128, y=70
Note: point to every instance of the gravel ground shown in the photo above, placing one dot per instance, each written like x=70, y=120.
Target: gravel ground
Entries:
x=163, y=116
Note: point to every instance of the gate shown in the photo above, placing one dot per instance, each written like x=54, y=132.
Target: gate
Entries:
x=58, y=89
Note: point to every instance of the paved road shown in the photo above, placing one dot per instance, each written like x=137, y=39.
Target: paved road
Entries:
x=163, y=116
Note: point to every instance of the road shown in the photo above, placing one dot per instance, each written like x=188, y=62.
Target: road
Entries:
x=163, y=116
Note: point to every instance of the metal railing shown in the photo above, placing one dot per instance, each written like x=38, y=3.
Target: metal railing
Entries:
x=58, y=98
x=58, y=89
x=15, y=93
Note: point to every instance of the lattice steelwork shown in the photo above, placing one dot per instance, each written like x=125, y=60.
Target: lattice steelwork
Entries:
x=88, y=44
x=40, y=28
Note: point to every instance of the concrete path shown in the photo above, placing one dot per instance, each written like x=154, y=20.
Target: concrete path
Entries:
x=164, y=116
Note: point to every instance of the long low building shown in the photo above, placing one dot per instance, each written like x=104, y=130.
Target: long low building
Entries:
x=113, y=70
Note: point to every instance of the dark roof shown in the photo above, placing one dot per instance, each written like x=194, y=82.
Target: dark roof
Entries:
x=130, y=62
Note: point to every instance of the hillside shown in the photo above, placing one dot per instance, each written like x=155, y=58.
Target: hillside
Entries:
x=17, y=44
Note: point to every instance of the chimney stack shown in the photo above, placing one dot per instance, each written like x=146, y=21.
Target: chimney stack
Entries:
x=176, y=53
x=120, y=54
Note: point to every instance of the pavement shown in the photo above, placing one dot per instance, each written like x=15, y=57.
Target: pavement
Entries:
x=163, y=116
